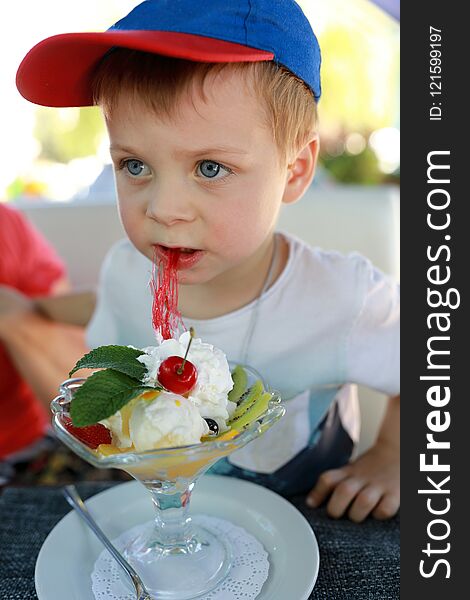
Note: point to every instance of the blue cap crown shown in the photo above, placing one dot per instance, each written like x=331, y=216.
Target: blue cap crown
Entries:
x=277, y=26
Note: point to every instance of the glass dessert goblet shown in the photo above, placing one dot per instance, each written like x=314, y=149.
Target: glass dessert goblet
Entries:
x=175, y=558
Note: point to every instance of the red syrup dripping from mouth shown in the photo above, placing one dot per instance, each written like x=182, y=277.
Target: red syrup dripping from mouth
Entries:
x=164, y=285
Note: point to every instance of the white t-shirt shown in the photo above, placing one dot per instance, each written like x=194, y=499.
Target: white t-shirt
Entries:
x=329, y=320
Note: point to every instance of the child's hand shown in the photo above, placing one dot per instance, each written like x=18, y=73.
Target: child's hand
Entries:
x=370, y=484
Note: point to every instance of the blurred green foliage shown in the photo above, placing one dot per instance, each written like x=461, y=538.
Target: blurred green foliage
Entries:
x=360, y=168
x=68, y=133
x=359, y=80
x=360, y=83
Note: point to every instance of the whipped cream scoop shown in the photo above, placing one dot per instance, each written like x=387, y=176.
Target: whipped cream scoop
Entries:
x=214, y=380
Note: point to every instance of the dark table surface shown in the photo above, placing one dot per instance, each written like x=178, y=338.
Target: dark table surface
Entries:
x=357, y=562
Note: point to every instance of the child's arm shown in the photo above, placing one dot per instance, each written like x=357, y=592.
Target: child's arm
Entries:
x=43, y=351
x=371, y=483
x=71, y=307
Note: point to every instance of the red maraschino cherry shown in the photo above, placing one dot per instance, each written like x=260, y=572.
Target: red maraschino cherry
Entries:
x=177, y=374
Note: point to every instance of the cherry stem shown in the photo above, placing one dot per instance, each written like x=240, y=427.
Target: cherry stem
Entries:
x=180, y=369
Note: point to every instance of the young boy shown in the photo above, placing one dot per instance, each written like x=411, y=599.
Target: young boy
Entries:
x=211, y=114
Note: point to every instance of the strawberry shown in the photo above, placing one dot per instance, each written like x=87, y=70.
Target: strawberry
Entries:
x=91, y=435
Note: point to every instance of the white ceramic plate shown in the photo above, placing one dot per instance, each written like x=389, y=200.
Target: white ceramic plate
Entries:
x=67, y=557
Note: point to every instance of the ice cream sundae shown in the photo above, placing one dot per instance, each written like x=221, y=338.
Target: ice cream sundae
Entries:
x=178, y=393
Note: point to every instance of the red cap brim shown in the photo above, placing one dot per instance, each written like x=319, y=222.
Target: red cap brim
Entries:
x=57, y=71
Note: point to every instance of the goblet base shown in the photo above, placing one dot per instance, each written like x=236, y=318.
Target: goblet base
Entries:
x=184, y=572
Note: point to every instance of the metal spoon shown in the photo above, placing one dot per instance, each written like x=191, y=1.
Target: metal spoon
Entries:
x=75, y=501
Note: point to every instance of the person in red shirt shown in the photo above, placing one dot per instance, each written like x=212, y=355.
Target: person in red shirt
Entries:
x=29, y=266
x=36, y=354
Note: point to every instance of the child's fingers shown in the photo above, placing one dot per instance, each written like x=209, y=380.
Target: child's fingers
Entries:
x=343, y=495
x=387, y=507
x=324, y=486
x=366, y=500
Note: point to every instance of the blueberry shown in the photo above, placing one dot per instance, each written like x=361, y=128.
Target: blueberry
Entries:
x=213, y=427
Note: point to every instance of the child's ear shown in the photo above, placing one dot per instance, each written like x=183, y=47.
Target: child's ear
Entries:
x=300, y=172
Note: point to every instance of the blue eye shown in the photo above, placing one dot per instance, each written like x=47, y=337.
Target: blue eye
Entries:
x=136, y=167
x=210, y=169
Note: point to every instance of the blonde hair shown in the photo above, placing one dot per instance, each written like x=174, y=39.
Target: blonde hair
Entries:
x=160, y=81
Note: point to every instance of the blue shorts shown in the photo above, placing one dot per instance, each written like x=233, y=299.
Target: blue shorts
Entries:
x=332, y=449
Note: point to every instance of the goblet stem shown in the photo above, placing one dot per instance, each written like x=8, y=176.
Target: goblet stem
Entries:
x=176, y=558
x=173, y=531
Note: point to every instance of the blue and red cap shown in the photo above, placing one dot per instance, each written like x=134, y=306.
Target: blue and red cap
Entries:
x=58, y=70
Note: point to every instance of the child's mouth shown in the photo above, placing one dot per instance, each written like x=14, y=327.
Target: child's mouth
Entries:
x=187, y=256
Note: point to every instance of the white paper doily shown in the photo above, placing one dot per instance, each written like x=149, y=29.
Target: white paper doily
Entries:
x=249, y=570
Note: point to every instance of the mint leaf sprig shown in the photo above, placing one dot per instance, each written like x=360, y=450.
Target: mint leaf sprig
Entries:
x=119, y=358
x=107, y=391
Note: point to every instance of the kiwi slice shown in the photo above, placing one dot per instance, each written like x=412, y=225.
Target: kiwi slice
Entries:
x=251, y=397
x=257, y=408
x=240, y=381
x=251, y=404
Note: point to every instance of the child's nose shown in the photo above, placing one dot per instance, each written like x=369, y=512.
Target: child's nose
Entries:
x=170, y=206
